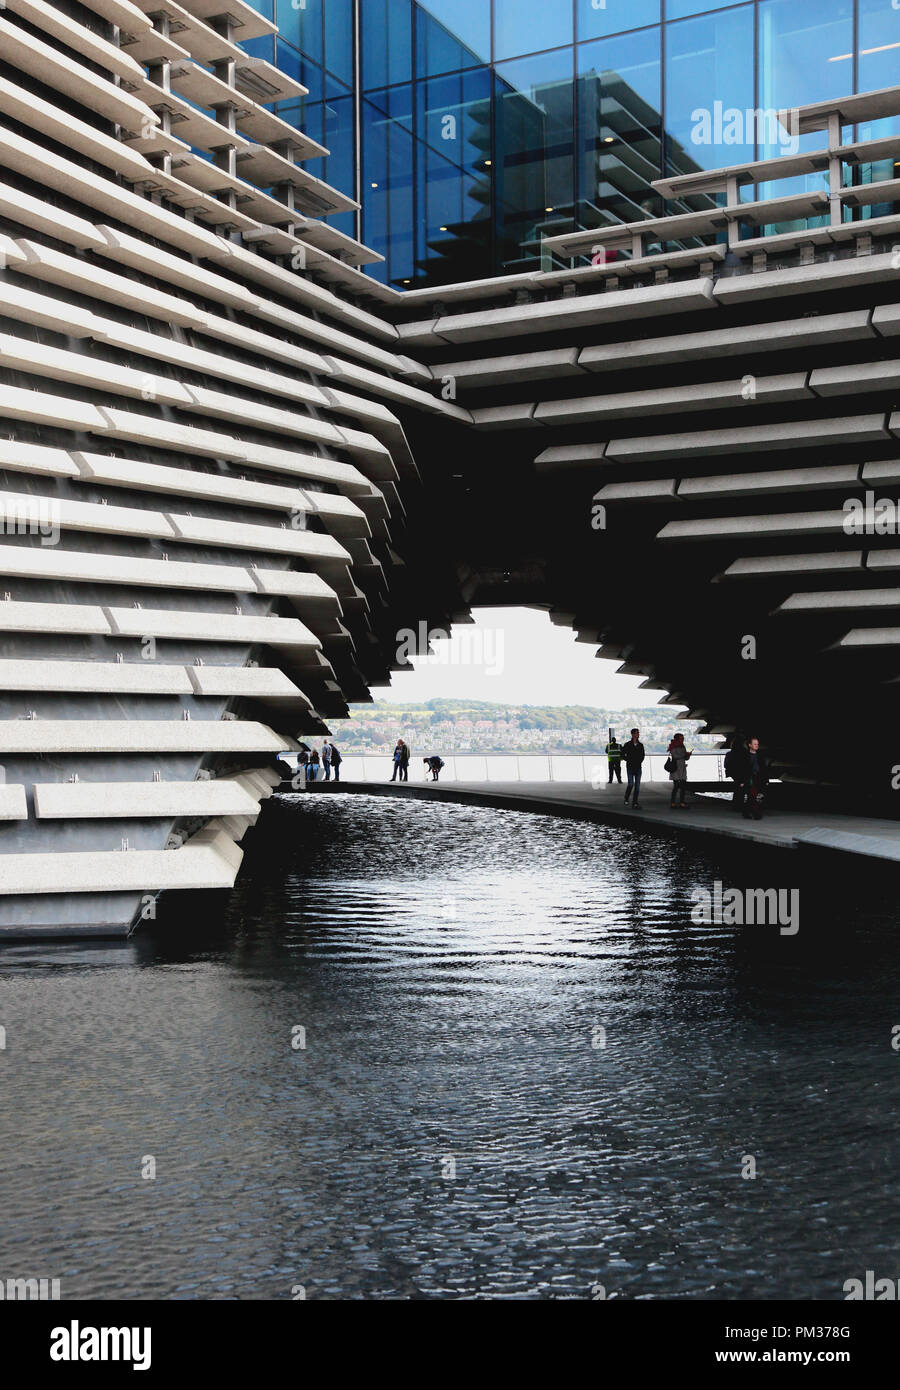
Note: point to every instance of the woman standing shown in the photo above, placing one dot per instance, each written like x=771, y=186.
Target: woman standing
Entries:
x=398, y=761
x=676, y=766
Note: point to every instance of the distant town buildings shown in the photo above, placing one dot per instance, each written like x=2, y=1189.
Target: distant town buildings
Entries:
x=449, y=726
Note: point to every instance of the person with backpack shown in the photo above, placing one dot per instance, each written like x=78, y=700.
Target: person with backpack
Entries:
x=633, y=754
x=676, y=766
x=336, y=761
x=433, y=765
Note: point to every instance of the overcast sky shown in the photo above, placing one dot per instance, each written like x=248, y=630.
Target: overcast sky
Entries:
x=518, y=657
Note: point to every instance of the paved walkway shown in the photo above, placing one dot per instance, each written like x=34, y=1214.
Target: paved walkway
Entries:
x=705, y=815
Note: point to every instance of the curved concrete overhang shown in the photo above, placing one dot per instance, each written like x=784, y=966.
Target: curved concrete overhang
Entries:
x=236, y=467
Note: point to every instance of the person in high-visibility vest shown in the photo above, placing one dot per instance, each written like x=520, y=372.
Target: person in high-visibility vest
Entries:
x=614, y=758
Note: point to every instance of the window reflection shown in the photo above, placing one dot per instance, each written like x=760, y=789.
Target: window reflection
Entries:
x=619, y=129
x=594, y=19
x=534, y=168
x=452, y=34
x=709, y=91
x=466, y=170
x=527, y=26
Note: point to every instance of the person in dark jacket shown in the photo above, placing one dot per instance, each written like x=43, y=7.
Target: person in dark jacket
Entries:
x=677, y=768
x=756, y=780
x=737, y=767
x=401, y=762
x=434, y=765
x=336, y=761
x=312, y=767
x=633, y=754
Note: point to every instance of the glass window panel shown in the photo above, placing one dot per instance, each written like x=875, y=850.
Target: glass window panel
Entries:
x=527, y=26
x=386, y=40
x=879, y=59
x=534, y=156
x=388, y=163
x=338, y=26
x=452, y=34
x=339, y=126
x=805, y=55
x=596, y=18
x=709, y=91
x=301, y=26
x=263, y=47
x=619, y=128
x=263, y=7
x=680, y=9
x=454, y=227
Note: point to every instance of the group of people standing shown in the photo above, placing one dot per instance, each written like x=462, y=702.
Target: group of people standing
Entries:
x=401, y=757
x=745, y=765
x=329, y=761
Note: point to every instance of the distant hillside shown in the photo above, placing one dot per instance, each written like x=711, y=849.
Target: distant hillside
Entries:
x=483, y=726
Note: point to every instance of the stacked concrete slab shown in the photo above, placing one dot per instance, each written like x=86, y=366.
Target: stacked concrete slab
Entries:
x=208, y=504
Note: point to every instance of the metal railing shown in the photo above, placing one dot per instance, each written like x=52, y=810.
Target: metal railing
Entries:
x=525, y=767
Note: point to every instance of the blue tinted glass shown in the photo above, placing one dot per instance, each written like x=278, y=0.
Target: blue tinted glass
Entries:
x=388, y=162
x=339, y=38
x=438, y=49
x=879, y=59
x=453, y=223
x=465, y=24
x=263, y=47
x=618, y=134
x=593, y=20
x=305, y=113
x=678, y=9
x=395, y=103
x=386, y=42
x=263, y=7
x=709, y=90
x=339, y=139
x=534, y=156
x=301, y=26
x=805, y=55
x=527, y=26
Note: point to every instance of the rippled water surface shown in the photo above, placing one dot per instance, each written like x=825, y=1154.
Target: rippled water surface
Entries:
x=526, y=1073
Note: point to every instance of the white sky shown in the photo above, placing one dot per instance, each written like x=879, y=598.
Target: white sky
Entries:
x=516, y=656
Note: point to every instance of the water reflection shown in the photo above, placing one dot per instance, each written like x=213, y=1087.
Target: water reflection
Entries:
x=519, y=1001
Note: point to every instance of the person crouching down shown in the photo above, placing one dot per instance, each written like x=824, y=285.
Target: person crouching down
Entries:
x=433, y=765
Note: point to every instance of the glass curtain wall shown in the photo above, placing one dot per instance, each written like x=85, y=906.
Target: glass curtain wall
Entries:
x=486, y=125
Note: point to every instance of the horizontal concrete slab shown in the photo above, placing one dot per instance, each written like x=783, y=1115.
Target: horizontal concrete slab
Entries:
x=63, y=736
x=133, y=800
x=752, y=438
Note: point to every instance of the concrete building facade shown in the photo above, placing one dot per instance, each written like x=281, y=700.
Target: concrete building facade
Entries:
x=234, y=464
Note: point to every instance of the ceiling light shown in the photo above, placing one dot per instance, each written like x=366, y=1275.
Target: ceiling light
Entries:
x=608, y=139
x=374, y=185
x=882, y=48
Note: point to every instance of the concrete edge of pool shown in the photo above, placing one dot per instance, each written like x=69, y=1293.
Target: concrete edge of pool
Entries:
x=706, y=816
